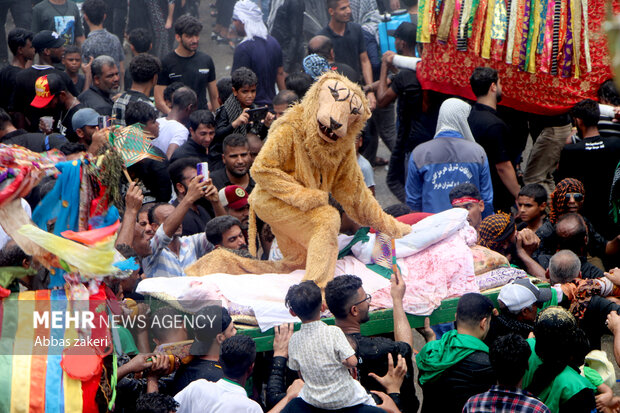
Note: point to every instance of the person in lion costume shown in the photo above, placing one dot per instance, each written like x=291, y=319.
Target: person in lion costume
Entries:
x=309, y=153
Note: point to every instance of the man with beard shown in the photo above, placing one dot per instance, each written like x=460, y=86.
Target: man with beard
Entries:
x=349, y=303
x=498, y=232
x=106, y=82
x=493, y=135
x=188, y=65
x=53, y=96
x=592, y=161
x=236, y=158
x=50, y=48
x=225, y=232
x=171, y=252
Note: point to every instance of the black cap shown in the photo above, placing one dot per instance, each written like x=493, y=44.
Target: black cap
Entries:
x=406, y=32
x=47, y=39
x=210, y=321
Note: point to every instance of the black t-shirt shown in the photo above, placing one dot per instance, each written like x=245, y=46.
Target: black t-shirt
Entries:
x=348, y=47
x=197, y=369
x=593, y=161
x=195, y=72
x=66, y=127
x=194, y=221
x=492, y=134
x=406, y=85
x=372, y=358
x=191, y=149
x=7, y=82
x=24, y=92
x=36, y=142
x=220, y=180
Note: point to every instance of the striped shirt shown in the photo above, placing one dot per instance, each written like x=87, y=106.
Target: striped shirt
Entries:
x=317, y=351
x=164, y=263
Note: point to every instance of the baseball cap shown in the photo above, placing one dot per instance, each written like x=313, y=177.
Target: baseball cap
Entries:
x=405, y=31
x=47, y=39
x=85, y=117
x=205, y=330
x=46, y=87
x=522, y=293
x=233, y=196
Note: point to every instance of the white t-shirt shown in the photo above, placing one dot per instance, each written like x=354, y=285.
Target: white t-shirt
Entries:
x=222, y=396
x=170, y=131
x=317, y=351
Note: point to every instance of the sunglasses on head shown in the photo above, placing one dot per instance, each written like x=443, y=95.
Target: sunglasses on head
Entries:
x=575, y=195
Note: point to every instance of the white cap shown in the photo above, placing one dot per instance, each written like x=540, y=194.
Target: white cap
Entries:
x=521, y=293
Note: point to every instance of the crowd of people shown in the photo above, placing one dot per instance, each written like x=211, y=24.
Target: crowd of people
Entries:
x=79, y=71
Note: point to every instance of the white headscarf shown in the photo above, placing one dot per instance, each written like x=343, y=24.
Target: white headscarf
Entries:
x=248, y=13
x=453, y=115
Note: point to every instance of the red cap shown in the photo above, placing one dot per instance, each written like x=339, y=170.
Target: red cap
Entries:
x=233, y=196
x=46, y=87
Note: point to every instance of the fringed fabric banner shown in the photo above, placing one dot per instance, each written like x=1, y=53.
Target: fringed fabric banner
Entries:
x=554, y=53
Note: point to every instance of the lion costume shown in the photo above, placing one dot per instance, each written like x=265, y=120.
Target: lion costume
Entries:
x=309, y=153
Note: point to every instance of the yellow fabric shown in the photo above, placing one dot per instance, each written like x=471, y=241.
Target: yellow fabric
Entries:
x=531, y=66
x=24, y=340
x=488, y=30
x=72, y=387
x=446, y=20
x=576, y=20
x=586, y=34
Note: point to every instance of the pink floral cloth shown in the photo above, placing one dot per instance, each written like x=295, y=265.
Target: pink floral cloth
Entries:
x=443, y=270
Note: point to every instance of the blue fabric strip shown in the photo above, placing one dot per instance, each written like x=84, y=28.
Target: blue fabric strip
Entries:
x=54, y=397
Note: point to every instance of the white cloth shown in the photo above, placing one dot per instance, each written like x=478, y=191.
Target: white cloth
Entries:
x=406, y=62
x=263, y=293
x=4, y=237
x=248, y=13
x=367, y=171
x=317, y=352
x=219, y=397
x=453, y=115
x=170, y=131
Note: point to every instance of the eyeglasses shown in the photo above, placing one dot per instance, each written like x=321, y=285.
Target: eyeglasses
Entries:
x=575, y=195
x=368, y=298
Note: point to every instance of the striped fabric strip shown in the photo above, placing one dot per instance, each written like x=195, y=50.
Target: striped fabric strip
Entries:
x=462, y=36
x=548, y=36
x=532, y=37
x=9, y=328
x=567, y=55
x=576, y=37
x=72, y=387
x=476, y=37
x=54, y=396
x=24, y=340
x=544, y=4
x=555, y=47
x=458, y=13
x=512, y=22
x=446, y=21
x=39, y=358
x=485, y=53
x=525, y=29
x=586, y=35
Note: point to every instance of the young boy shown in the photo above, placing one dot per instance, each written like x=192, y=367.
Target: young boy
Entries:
x=233, y=117
x=321, y=354
x=139, y=42
x=72, y=60
x=532, y=202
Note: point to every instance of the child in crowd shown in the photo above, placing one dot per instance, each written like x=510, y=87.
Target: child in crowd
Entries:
x=224, y=89
x=532, y=203
x=365, y=166
x=72, y=60
x=139, y=42
x=233, y=116
x=604, y=393
x=169, y=91
x=321, y=354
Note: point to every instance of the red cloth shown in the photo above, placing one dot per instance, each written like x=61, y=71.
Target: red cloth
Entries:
x=409, y=219
x=446, y=70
